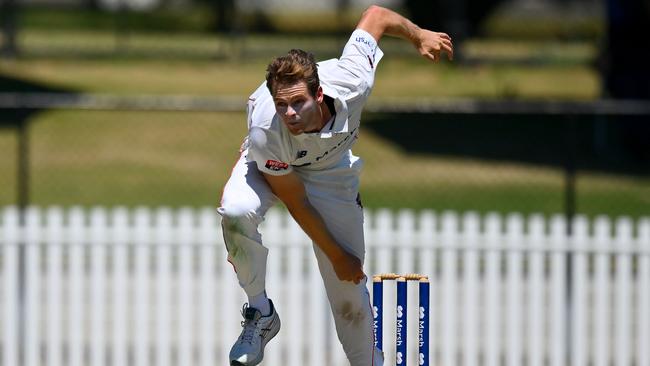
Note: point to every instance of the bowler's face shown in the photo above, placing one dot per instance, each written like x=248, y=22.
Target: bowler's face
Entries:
x=297, y=108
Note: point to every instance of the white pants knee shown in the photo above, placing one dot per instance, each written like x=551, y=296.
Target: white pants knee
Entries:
x=246, y=199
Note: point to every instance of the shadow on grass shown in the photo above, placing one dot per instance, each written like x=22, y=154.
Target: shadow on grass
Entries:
x=16, y=117
x=597, y=144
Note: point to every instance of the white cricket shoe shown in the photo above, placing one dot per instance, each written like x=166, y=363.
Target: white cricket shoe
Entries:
x=257, y=332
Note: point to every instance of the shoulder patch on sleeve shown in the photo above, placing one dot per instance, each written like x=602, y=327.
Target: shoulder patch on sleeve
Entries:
x=370, y=42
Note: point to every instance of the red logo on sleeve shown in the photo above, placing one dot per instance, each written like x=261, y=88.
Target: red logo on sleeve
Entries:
x=276, y=165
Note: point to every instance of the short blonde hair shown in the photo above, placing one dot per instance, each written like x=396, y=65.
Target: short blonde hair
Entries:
x=295, y=66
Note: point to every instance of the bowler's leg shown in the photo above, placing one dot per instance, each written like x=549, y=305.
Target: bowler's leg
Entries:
x=350, y=303
x=246, y=198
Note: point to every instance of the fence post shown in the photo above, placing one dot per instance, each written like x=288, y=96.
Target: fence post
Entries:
x=602, y=295
x=493, y=333
x=470, y=259
x=11, y=293
x=97, y=243
x=536, y=278
x=295, y=239
x=514, y=301
x=643, y=289
x=31, y=287
x=449, y=240
x=76, y=236
x=426, y=239
x=383, y=236
x=142, y=232
x=622, y=302
x=53, y=284
x=272, y=229
x=185, y=240
x=207, y=241
x=578, y=280
x=559, y=325
x=120, y=238
x=405, y=239
x=163, y=298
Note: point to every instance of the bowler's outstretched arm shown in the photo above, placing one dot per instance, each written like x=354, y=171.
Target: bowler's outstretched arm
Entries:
x=380, y=21
x=290, y=190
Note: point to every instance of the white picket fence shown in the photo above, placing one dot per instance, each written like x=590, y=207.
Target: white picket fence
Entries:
x=152, y=287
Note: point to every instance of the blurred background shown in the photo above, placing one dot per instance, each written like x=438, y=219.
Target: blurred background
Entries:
x=120, y=121
x=141, y=102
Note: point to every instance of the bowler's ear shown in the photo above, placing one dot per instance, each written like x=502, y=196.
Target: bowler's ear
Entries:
x=319, y=94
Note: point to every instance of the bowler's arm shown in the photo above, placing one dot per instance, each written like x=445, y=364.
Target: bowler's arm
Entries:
x=380, y=21
x=290, y=189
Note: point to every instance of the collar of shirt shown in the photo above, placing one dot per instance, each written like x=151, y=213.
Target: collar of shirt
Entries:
x=326, y=132
x=341, y=116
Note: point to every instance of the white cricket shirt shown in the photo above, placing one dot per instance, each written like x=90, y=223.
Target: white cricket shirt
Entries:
x=348, y=81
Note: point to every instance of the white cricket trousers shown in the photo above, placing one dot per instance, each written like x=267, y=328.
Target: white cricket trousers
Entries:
x=333, y=192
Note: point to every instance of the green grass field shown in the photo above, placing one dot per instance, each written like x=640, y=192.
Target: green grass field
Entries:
x=183, y=158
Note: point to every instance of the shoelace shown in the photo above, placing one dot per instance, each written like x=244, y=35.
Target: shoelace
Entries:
x=250, y=327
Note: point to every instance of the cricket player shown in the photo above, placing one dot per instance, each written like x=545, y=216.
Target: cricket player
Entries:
x=302, y=123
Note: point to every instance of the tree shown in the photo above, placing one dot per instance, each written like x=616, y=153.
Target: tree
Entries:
x=625, y=67
x=627, y=55
x=8, y=20
x=225, y=15
x=459, y=18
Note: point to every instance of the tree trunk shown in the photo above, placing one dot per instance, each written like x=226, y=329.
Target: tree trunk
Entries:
x=8, y=20
x=225, y=12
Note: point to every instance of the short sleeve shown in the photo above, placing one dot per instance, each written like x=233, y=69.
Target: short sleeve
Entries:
x=268, y=152
x=360, y=58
